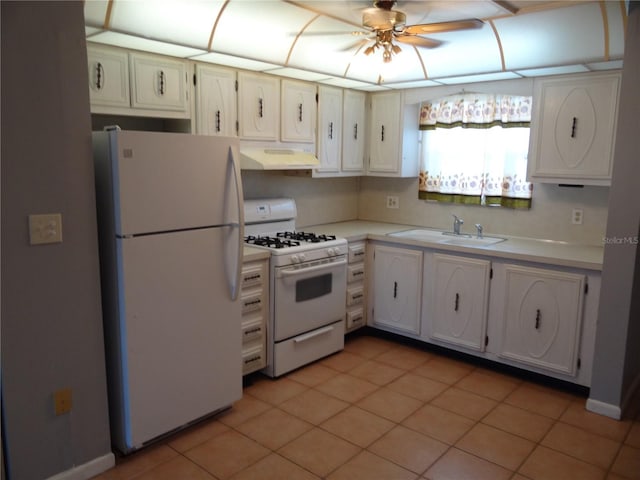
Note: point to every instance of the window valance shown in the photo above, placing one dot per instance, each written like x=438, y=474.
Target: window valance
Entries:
x=476, y=110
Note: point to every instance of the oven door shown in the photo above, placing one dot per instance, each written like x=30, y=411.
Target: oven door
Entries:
x=309, y=295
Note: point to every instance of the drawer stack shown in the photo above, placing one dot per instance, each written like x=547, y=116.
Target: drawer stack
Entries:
x=355, y=317
x=255, y=311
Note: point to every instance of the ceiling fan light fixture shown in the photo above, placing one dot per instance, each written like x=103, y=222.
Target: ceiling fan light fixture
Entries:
x=396, y=49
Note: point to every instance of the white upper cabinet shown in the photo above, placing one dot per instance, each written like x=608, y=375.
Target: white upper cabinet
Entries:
x=460, y=297
x=159, y=83
x=393, y=137
x=108, y=77
x=353, y=131
x=298, y=112
x=329, y=129
x=216, y=101
x=258, y=106
x=573, y=129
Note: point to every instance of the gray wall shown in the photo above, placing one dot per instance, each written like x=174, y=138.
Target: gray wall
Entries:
x=51, y=317
x=617, y=351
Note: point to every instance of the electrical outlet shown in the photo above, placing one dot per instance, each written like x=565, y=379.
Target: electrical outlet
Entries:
x=393, y=202
x=576, y=216
x=62, y=402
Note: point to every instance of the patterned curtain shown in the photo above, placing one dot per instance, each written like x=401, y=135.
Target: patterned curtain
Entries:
x=474, y=150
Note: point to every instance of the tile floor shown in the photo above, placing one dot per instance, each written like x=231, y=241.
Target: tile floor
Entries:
x=388, y=411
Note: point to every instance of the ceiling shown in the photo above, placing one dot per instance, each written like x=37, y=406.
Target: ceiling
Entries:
x=314, y=39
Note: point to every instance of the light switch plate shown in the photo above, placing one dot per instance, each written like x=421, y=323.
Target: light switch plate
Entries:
x=46, y=228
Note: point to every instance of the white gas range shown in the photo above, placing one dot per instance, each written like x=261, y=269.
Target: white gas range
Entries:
x=307, y=285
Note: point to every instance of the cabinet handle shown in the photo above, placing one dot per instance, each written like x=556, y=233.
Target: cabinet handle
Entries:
x=260, y=107
x=99, y=75
x=217, y=120
x=300, y=112
x=330, y=130
x=537, y=319
x=573, y=127
x=395, y=289
x=455, y=307
x=382, y=134
x=355, y=131
x=162, y=82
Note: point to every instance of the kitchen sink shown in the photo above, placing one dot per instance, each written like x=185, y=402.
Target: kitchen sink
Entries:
x=437, y=236
x=472, y=241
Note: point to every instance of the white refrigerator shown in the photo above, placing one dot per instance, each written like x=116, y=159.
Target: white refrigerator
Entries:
x=170, y=214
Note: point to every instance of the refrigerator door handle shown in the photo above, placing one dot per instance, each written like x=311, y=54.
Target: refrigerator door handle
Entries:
x=235, y=285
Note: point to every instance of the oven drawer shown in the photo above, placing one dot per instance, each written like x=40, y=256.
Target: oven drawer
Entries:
x=355, y=296
x=308, y=347
x=253, y=359
x=355, y=273
x=357, y=253
x=355, y=318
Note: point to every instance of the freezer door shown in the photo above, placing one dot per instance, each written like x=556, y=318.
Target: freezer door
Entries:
x=173, y=181
x=180, y=332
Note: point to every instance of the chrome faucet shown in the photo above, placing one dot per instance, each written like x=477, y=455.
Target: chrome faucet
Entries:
x=479, y=230
x=457, y=222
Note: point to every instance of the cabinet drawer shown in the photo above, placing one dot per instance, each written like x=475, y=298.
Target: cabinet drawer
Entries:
x=253, y=359
x=252, y=276
x=251, y=303
x=355, y=296
x=252, y=330
x=355, y=273
x=356, y=253
x=355, y=318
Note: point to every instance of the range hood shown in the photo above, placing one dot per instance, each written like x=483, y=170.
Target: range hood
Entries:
x=276, y=159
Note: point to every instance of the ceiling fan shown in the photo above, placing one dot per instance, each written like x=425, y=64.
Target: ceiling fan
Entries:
x=389, y=25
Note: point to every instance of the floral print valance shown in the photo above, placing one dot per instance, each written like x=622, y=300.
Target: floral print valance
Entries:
x=476, y=110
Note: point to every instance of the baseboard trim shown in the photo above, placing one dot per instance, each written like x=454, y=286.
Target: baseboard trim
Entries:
x=87, y=470
x=607, y=409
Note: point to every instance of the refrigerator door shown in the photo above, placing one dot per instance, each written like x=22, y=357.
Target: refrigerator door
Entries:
x=179, y=333
x=174, y=181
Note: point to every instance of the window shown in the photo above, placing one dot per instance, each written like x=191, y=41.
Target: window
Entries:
x=474, y=150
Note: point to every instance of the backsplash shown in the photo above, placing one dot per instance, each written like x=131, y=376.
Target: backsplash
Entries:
x=327, y=200
x=549, y=217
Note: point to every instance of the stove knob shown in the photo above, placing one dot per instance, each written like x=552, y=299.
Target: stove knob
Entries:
x=331, y=252
x=302, y=257
x=294, y=259
x=337, y=250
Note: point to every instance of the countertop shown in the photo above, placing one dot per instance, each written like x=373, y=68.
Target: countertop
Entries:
x=549, y=252
x=251, y=254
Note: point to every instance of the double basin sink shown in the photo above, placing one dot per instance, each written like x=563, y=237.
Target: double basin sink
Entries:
x=450, y=238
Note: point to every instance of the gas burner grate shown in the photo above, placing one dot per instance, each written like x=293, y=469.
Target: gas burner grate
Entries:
x=306, y=237
x=270, y=242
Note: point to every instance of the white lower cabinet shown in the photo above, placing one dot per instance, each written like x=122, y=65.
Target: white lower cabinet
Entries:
x=396, y=290
x=459, y=293
x=541, y=313
x=255, y=311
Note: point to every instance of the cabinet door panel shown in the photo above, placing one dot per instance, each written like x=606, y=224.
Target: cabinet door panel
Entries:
x=460, y=295
x=385, y=132
x=158, y=83
x=216, y=101
x=396, y=300
x=542, y=318
x=298, y=111
x=108, y=77
x=259, y=106
x=353, y=131
x=329, y=128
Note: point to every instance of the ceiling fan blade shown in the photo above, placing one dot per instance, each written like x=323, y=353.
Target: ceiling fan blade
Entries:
x=354, y=33
x=443, y=26
x=418, y=41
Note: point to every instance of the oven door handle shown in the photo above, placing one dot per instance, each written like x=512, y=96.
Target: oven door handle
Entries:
x=292, y=272
x=314, y=334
